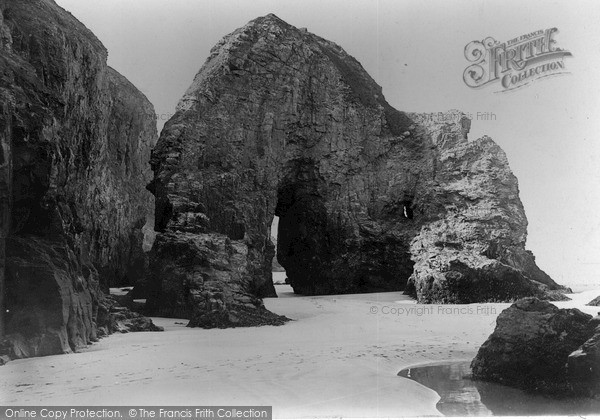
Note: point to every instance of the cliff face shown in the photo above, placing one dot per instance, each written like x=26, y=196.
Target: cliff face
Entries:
x=281, y=122
x=76, y=137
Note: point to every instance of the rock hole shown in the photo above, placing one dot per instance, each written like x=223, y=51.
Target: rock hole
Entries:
x=408, y=211
x=279, y=276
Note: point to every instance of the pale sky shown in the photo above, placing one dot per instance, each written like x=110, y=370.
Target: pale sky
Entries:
x=414, y=49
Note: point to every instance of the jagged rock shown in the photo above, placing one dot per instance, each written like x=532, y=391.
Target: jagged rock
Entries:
x=116, y=318
x=75, y=137
x=472, y=248
x=595, y=302
x=531, y=344
x=203, y=298
x=281, y=122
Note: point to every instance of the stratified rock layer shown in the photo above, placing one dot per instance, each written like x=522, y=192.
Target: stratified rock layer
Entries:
x=538, y=347
x=281, y=122
x=75, y=138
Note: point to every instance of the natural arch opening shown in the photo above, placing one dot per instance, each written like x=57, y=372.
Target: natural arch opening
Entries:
x=277, y=270
x=302, y=240
x=322, y=253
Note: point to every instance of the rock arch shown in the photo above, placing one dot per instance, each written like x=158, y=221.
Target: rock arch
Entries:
x=281, y=122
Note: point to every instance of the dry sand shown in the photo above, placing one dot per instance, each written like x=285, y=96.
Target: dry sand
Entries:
x=339, y=357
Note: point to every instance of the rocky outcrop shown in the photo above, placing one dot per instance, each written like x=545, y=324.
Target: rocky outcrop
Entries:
x=75, y=138
x=538, y=347
x=281, y=122
x=471, y=247
x=595, y=302
x=114, y=317
x=198, y=267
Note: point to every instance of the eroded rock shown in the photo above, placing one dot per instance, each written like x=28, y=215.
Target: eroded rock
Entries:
x=279, y=121
x=472, y=246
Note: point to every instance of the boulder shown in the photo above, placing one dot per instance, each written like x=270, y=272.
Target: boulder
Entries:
x=538, y=347
x=279, y=121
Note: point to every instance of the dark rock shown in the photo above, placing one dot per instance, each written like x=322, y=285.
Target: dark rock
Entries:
x=557, y=295
x=75, y=137
x=531, y=345
x=281, y=122
x=595, y=302
x=123, y=300
x=583, y=367
x=51, y=297
x=117, y=318
x=214, y=315
x=204, y=300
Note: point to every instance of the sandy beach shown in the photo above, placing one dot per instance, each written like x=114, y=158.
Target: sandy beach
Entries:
x=339, y=357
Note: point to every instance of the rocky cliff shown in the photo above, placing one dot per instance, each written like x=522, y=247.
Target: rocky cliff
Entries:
x=75, y=140
x=279, y=121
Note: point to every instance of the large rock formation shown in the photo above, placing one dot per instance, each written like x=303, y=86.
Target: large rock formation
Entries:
x=75, y=139
x=281, y=122
x=470, y=247
x=538, y=347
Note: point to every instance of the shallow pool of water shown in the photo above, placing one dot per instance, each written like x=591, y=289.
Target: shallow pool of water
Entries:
x=461, y=396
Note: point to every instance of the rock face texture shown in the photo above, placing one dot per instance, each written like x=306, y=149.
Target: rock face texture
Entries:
x=538, y=347
x=470, y=246
x=281, y=122
x=75, y=139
